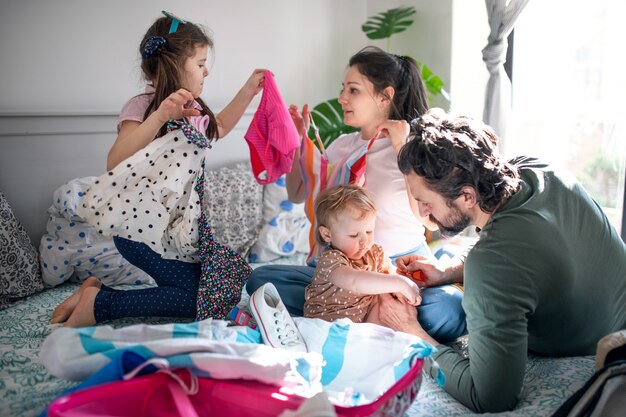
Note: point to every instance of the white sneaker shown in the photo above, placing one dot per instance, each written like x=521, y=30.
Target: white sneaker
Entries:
x=273, y=320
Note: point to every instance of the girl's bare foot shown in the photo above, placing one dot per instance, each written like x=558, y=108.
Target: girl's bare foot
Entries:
x=65, y=309
x=82, y=315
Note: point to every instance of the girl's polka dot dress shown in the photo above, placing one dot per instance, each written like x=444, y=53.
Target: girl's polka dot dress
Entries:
x=155, y=197
x=150, y=198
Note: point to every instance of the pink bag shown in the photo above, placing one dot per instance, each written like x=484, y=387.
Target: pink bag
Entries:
x=164, y=394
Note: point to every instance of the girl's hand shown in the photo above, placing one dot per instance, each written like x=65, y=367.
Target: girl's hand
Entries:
x=254, y=84
x=177, y=105
x=300, y=120
x=397, y=131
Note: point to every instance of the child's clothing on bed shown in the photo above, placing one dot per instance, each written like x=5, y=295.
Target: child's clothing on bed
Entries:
x=325, y=300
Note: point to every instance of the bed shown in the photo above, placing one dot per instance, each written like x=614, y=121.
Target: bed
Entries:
x=273, y=232
x=26, y=387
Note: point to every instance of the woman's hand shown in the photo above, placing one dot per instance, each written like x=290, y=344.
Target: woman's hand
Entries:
x=397, y=131
x=300, y=120
x=177, y=105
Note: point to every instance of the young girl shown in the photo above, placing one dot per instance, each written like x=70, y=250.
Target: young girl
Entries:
x=352, y=269
x=381, y=92
x=174, y=57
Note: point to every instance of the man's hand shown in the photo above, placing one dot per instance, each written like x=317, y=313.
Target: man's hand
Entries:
x=402, y=317
x=424, y=271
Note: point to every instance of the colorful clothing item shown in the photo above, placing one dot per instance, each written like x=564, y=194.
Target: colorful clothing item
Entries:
x=271, y=136
x=327, y=301
x=224, y=272
x=135, y=108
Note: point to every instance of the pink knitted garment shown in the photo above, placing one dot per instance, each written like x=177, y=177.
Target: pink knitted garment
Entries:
x=272, y=136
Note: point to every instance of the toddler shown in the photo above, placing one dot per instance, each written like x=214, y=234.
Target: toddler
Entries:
x=352, y=269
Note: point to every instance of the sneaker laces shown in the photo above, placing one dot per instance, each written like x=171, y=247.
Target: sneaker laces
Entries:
x=288, y=335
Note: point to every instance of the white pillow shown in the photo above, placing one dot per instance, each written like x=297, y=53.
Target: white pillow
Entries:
x=285, y=228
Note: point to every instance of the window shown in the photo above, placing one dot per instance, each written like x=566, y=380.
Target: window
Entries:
x=569, y=93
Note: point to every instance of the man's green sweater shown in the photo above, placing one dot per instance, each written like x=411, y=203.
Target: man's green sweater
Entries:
x=547, y=275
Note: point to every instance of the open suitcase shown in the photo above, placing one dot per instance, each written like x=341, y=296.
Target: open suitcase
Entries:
x=159, y=394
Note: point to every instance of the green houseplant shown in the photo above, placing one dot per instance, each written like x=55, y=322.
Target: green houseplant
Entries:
x=328, y=115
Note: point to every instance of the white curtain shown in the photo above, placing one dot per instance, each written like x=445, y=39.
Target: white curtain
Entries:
x=502, y=15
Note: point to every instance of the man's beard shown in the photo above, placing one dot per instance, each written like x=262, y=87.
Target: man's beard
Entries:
x=456, y=222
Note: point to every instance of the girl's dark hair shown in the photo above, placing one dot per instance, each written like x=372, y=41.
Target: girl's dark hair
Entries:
x=400, y=72
x=163, y=68
x=450, y=152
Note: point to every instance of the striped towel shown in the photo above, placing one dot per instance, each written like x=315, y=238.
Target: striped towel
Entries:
x=347, y=360
x=208, y=348
x=362, y=359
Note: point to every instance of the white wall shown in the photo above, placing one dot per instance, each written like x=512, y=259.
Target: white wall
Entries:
x=71, y=55
x=429, y=38
x=69, y=65
x=447, y=36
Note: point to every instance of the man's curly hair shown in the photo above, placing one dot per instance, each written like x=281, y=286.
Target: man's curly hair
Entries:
x=451, y=152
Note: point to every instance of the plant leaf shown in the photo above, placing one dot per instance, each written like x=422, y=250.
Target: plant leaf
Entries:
x=432, y=82
x=328, y=117
x=385, y=24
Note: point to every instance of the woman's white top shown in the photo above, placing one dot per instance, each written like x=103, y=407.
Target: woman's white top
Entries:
x=397, y=229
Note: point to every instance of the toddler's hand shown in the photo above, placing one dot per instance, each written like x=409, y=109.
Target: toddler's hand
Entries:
x=254, y=84
x=177, y=105
x=410, y=291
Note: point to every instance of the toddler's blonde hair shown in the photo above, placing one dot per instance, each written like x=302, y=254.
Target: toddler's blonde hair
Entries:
x=331, y=202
